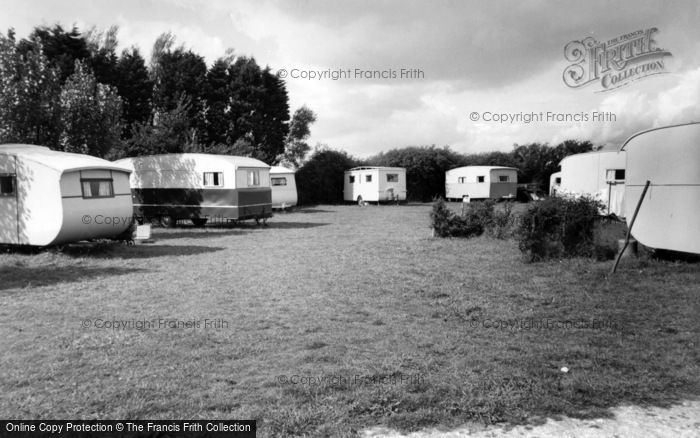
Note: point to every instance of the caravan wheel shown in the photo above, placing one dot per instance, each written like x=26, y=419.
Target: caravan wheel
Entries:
x=168, y=221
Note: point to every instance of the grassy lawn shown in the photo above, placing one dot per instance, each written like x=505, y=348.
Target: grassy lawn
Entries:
x=338, y=318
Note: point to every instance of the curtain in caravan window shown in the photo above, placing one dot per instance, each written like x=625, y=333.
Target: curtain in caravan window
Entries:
x=87, y=189
x=97, y=188
x=208, y=178
x=253, y=178
x=213, y=179
x=105, y=188
x=613, y=175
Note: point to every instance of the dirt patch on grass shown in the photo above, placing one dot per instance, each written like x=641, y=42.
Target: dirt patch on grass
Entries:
x=682, y=420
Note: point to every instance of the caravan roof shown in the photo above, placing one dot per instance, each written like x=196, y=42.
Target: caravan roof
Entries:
x=591, y=153
x=59, y=161
x=622, y=148
x=185, y=161
x=485, y=168
x=376, y=167
x=280, y=169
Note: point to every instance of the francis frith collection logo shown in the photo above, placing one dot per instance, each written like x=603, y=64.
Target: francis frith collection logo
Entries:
x=614, y=63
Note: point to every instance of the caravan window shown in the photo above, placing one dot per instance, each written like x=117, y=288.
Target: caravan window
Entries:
x=368, y=178
x=392, y=177
x=352, y=179
x=213, y=179
x=97, y=188
x=615, y=175
x=480, y=179
x=7, y=185
x=503, y=178
x=461, y=180
x=278, y=181
x=253, y=178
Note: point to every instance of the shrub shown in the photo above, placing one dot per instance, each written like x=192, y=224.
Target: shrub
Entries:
x=479, y=217
x=502, y=221
x=558, y=227
x=445, y=223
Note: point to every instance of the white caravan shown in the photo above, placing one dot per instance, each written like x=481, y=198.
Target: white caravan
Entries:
x=52, y=198
x=669, y=158
x=599, y=174
x=481, y=182
x=554, y=183
x=375, y=184
x=284, y=187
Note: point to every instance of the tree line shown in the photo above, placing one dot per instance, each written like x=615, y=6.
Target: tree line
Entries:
x=320, y=179
x=71, y=91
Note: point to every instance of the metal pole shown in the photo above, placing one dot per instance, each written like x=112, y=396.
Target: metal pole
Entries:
x=629, y=230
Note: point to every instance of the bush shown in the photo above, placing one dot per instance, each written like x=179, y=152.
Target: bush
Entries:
x=478, y=218
x=502, y=221
x=558, y=227
x=320, y=180
x=445, y=223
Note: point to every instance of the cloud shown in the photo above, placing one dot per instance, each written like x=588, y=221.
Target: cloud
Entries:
x=640, y=109
x=475, y=55
x=143, y=34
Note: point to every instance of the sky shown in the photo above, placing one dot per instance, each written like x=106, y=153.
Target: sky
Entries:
x=478, y=76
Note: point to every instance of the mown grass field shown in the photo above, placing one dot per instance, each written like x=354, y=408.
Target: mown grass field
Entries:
x=340, y=318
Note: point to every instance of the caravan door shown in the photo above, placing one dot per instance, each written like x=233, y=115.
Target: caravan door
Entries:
x=9, y=231
x=615, y=179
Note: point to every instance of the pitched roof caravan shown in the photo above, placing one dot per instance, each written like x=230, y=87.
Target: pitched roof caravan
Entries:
x=374, y=184
x=50, y=197
x=199, y=187
x=669, y=158
x=481, y=182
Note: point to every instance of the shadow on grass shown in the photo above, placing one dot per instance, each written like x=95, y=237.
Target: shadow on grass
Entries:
x=20, y=277
x=144, y=251
x=675, y=256
x=197, y=233
x=310, y=210
x=296, y=225
x=418, y=203
x=21, y=249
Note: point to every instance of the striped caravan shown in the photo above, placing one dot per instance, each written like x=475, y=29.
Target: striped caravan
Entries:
x=199, y=187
